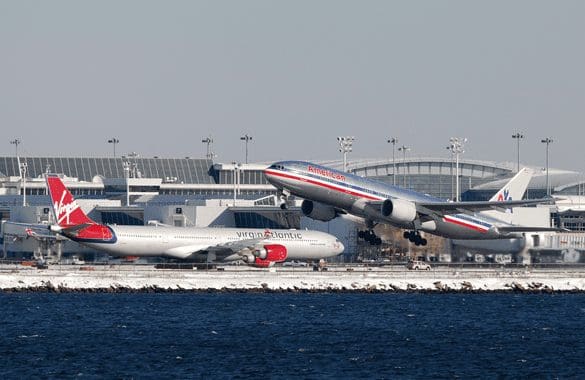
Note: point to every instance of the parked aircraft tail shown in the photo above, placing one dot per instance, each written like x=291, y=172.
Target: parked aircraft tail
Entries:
x=70, y=218
x=67, y=211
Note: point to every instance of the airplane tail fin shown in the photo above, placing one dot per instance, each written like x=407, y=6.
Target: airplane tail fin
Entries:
x=515, y=188
x=66, y=210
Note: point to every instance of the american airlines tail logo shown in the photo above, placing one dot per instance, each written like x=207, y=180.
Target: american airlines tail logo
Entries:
x=63, y=210
x=504, y=196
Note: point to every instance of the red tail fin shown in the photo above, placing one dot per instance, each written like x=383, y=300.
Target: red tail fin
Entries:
x=66, y=209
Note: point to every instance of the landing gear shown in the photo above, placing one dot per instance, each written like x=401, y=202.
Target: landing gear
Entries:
x=370, y=237
x=283, y=199
x=414, y=237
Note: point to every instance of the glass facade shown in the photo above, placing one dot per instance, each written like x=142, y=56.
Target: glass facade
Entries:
x=177, y=170
x=121, y=218
x=250, y=177
x=434, y=176
x=276, y=221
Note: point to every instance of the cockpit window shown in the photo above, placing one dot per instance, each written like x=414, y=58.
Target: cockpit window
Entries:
x=277, y=167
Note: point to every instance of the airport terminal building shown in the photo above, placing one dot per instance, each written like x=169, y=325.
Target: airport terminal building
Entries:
x=199, y=192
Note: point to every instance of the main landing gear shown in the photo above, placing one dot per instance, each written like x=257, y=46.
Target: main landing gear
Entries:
x=370, y=237
x=414, y=237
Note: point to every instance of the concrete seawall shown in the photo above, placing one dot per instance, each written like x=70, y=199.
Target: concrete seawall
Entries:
x=106, y=278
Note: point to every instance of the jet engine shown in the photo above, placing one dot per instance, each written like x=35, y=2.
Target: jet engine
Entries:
x=318, y=211
x=399, y=210
x=275, y=253
x=261, y=253
x=249, y=258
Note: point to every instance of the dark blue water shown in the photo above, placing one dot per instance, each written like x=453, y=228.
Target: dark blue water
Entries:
x=292, y=336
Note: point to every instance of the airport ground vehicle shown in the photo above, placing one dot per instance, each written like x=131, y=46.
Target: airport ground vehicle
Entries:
x=418, y=265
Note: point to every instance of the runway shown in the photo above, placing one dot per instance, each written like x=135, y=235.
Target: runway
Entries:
x=339, y=278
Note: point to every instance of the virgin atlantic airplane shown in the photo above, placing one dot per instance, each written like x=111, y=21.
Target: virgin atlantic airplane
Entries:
x=258, y=247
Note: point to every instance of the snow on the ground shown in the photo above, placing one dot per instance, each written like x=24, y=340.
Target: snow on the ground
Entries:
x=75, y=278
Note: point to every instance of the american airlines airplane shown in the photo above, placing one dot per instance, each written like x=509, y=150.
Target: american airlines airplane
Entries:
x=258, y=247
x=328, y=193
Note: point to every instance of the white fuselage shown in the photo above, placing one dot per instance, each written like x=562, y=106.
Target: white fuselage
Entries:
x=185, y=242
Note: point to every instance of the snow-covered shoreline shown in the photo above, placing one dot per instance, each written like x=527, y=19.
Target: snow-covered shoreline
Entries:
x=147, y=279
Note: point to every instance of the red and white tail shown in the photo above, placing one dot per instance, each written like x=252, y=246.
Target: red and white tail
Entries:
x=66, y=209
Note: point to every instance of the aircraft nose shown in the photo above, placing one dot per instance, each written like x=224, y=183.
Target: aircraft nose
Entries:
x=267, y=174
x=271, y=178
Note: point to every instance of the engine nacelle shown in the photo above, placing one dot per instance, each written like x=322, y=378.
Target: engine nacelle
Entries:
x=399, y=210
x=318, y=211
x=249, y=258
x=261, y=253
x=275, y=253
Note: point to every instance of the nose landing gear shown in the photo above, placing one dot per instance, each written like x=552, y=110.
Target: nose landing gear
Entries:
x=283, y=199
x=415, y=237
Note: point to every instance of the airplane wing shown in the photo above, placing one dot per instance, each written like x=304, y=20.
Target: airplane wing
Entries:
x=449, y=208
x=238, y=245
x=220, y=252
x=531, y=229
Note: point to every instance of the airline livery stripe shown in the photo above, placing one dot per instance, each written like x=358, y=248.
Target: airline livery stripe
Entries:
x=465, y=224
x=323, y=184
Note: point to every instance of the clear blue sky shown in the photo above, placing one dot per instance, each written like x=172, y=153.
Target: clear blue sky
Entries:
x=161, y=75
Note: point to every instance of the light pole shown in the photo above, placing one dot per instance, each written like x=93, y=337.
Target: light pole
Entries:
x=209, y=141
x=16, y=142
x=547, y=141
x=236, y=179
x=403, y=149
x=246, y=138
x=345, y=146
x=450, y=148
x=457, y=148
x=126, y=165
x=393, y=141
x=518, y=136
x=114, y=141
x=23, y=169
x=133, y=164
